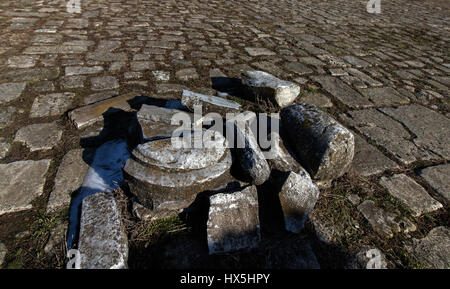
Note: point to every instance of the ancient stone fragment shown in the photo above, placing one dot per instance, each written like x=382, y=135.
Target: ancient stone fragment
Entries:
x=87, y=115
x=103, y=243
x=156, y=122
x=298, y=197
x=323, y=146
x=233, y=221
x=268, y=86
x=209, y=103
x=249, y=156
x=160, y=172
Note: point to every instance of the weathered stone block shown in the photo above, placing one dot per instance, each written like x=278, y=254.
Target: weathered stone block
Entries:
x=92, y=113
x=264, y=84
x=323, y=146
x=298, y=197
x=233, y=221
x=103, y=243
x=209, y=103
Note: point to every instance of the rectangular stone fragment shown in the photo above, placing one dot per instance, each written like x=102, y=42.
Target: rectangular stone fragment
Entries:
x=233, y=221
x=208, y=103
x=266, y=85
x=410, y=193
x=103, y=242
x=87, y=115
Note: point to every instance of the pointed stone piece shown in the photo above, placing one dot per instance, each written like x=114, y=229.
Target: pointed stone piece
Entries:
x=250, y=158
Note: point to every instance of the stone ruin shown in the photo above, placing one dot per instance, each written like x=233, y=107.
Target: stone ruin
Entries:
x=308, y=151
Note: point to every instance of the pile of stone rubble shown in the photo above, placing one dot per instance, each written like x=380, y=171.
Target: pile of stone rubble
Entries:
x=308, y=151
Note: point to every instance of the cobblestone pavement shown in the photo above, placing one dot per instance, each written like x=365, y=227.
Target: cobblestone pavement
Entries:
x=385, y=76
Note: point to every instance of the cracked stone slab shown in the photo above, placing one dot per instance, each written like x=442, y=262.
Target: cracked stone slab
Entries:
x=387, y=133
x=429, y=127
x=368, y=160
x=21, y=183
x=324, y=147
x=384, y=96
x=233, y=221
x=53, y=104
x=434, y=249
x=264, y=84
x=342, y=92
x=438, y=178
x=187, y=74
x=11, y=91
x=103, y=243
x=41, y=136
x=68, y=180
x=410, y=193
